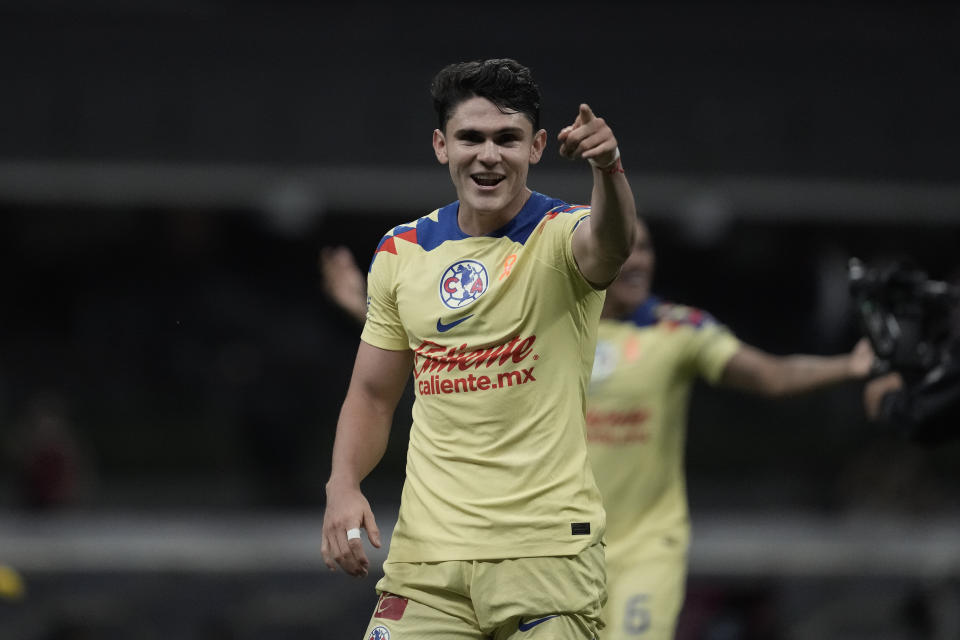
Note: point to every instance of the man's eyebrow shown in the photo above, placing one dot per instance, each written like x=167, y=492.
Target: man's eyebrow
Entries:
x=464, y=133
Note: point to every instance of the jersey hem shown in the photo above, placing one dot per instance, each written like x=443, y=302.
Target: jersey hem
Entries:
x=523, y=551
x=380, y=342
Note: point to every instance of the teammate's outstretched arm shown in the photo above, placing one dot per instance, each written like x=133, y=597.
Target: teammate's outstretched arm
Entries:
x=753, y=370
x=343, y=281
x=603, y=242
x=378, y=381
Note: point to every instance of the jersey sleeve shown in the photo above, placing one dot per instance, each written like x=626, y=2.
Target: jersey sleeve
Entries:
x=383, y=327
x=561, y=224
x=710, y=348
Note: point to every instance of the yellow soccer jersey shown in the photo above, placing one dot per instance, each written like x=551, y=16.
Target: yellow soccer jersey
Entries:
x=503, y=328
x=636, y=421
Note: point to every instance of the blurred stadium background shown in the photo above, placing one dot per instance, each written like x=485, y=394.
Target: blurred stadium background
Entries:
x=170, y=374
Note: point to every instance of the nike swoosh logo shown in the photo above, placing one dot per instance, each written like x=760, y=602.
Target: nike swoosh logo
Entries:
x=384, y=603
x=526, y=626
x=446, y=327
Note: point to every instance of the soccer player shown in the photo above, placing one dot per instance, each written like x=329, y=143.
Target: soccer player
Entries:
x=492, y=302
x=649, y=354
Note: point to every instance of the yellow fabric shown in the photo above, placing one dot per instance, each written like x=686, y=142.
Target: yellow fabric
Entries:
x=11, y=584
x=496, y=463
x=645, y=599
x=498, y=599
x=637, y=412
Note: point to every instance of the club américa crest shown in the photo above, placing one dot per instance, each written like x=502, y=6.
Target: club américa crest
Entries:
x=379, y=632
x=462, y=283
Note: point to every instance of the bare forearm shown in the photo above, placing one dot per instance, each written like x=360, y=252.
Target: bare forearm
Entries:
x=802, y=373
x=363, y=431
x=601, y=246
x=756, y=371
x=367, y=413
x=356, y=307
x=613, y=216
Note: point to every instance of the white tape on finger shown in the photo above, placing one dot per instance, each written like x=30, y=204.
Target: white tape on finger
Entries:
x=353, y=534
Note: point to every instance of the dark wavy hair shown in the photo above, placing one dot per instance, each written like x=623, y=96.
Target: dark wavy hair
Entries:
x=503, y=81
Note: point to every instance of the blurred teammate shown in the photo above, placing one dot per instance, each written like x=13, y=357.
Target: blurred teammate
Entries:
x=492, y=302
x=649, y=354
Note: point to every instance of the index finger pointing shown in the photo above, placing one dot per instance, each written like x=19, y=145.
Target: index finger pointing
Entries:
x=586, y=113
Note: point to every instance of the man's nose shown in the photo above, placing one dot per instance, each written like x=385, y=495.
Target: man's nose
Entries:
x=489, y=152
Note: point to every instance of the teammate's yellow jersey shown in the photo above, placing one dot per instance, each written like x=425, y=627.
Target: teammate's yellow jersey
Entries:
x=636, y=421
x=503, y=329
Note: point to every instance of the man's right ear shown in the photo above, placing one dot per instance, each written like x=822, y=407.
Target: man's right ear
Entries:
x=440, y=146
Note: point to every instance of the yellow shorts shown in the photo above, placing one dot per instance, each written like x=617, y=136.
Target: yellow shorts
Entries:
x=645, y=599
x=553, y=597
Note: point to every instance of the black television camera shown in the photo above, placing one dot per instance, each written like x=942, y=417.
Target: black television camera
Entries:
x=905, y=315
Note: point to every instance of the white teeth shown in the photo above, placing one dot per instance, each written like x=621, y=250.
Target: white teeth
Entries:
x=487, y=179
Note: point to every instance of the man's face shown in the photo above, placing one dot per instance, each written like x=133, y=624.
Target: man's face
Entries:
x=632, y=286
x=489, y=153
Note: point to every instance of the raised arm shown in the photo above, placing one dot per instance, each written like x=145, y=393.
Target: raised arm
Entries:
x=343, y=282
x=756, y=371
x=379, y=377
x=603, y=242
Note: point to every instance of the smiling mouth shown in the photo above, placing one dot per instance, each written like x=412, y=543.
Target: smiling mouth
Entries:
x=487, y=179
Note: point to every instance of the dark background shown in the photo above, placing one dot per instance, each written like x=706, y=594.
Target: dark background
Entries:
x=170, y=170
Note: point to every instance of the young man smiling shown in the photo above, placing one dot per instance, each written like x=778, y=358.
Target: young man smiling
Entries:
x=493, y=302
